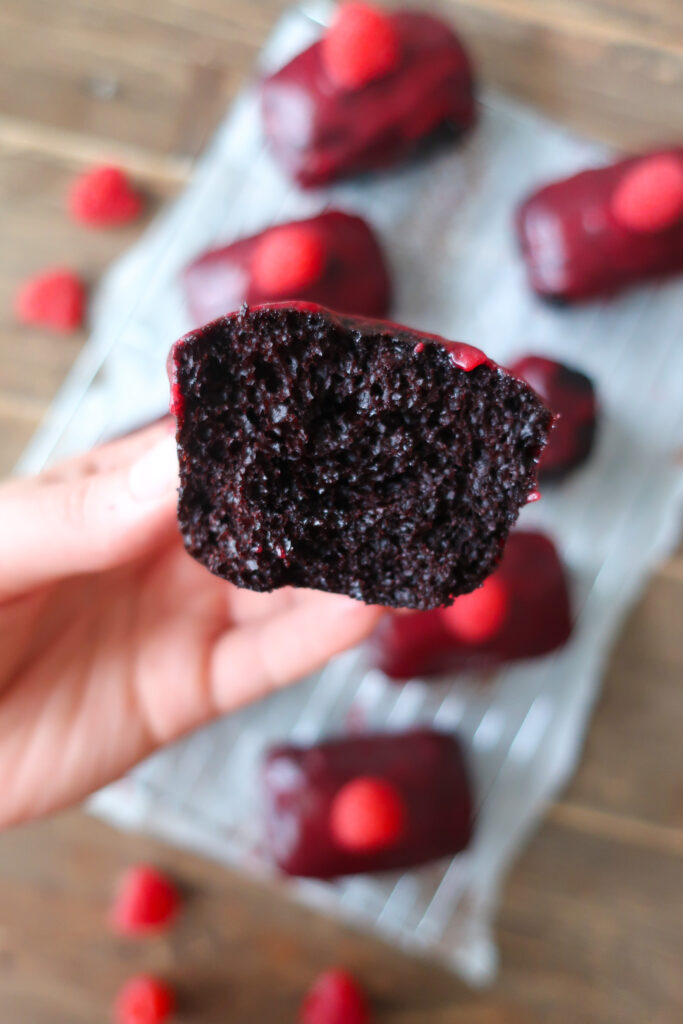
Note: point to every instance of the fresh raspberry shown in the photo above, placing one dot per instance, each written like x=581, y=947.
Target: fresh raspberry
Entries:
x=649, y=197
x=288, y=259
x=477, y=616
x=367, y=814
x=360, y=45
x=146, y=901
x=54, y=299
x=103, y=197
x=335, y=998
x=144, y=1000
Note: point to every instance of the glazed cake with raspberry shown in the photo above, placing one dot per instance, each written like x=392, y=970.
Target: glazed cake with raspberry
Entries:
x=570, y=396
x=376, y=89
x=333, y=259
x=521, y=611
x=349, y=455
x=368, y=803
x=604, y=229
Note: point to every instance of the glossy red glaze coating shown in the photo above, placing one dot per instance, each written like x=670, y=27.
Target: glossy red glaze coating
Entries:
x=574, y=245
x=320, y=130
x=425, y=768
x=466, y=357
x=352, y=276
x=420, y=644
x=570, y=395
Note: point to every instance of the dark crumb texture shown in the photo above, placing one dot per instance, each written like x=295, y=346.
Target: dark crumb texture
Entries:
x=348, y=455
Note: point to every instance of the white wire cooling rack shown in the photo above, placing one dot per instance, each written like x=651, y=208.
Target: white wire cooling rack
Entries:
x=446, y=227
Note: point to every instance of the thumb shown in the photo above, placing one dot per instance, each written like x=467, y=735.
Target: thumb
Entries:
x=51, y=528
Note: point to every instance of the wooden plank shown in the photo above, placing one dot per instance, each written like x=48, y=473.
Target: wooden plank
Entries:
x=159, y=76
x=36, y=234
x=16, y=429
x=155, y=76
x=633, y=762
x=619, y=87
x=591, y=931
x=584, y=929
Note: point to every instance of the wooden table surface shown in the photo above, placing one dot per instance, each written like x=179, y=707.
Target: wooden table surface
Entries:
x=591, y=925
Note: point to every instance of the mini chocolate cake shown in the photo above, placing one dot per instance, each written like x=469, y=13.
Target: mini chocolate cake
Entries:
x=366, y=803
x=350, y=455
x=570, y=396
x=379, y=87
x=333, y=259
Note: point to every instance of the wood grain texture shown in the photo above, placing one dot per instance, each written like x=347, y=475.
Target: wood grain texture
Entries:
x=591, y=922
x=243, y=952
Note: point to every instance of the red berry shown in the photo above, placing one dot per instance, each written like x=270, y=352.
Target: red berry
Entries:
x=54, y=299
x=649, y=197
x=146, y=901
x=360, y=45
x=367, y=814
x=287, y=259
x=477, y=616
x=335, y=998
x=144, y=1000
x=103, y=197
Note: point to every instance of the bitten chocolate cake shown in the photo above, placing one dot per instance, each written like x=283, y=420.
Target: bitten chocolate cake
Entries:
x=350, y=455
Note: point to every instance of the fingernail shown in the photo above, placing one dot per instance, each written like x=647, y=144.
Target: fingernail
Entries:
x=155, y=474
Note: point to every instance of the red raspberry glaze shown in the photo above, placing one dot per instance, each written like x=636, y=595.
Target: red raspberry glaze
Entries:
x=144, y=1000
x=367, y=814
x=54, y=299
x=604, y=229
x=287, y=259
x=537, y=621
x=478, y=616
x=104, y=197
x=649, y=197
x=335, y=998
x=360, y=45
x=146, y=901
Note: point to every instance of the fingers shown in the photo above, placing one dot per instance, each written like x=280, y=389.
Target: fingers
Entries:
x=250, y=662
x=101, y=514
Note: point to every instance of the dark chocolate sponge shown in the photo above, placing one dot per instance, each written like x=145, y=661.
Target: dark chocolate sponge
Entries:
x=350, y=455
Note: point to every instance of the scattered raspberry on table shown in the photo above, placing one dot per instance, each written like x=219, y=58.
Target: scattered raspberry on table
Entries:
x=54, y=299
x=335, y=998
x=144, y=1000
x=146, y=901
x=104, y=197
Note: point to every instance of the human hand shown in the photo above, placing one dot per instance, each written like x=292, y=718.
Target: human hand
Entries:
x=113, y=641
